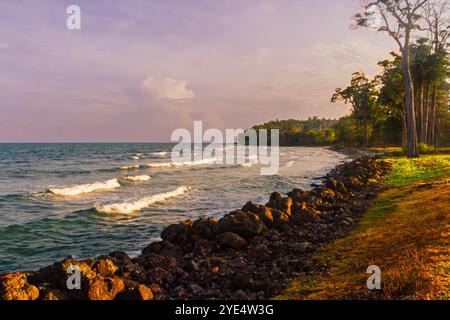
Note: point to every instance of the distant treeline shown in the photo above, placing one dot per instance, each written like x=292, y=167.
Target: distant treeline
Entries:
x=346, y=132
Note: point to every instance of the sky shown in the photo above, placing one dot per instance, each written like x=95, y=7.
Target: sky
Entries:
x=138, y=69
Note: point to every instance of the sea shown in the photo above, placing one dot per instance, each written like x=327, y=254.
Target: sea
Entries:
x=89, y=199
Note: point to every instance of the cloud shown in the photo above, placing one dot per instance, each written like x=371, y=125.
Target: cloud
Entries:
x=166, y=88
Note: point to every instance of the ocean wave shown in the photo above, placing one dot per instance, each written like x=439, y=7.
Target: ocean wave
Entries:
x=85, y=188
x=143, y=177
x=160, y=154
x=133, y=167
x=181, y=164
x=133, y=206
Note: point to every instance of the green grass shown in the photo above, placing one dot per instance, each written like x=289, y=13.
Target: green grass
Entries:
x=425, y=168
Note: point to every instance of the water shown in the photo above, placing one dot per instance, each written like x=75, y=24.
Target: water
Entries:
x=72, y=199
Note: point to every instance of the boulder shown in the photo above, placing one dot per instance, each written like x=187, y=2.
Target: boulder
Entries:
x=177, y=233
x=14, y=286
x=164, y=248
x=136, y=292
x=205, y=228
x=245, y=224
x=280, y=203
x=263, y=212
x=105, y=288
x=105, y=267
x=231, y=240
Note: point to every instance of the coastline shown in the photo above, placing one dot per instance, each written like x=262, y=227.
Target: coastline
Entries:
x=251, y=253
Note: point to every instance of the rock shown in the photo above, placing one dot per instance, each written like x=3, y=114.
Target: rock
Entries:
x=164, y=248
x=138, y=292
x=195, y=288
x=231, y=240
x=205, y=228
x=219, y=262
x=263, y=212
x=53, y=294
x=177, y=233
x=202, y=247
x=14, y=286
x=331, y=183
x=280, y=218
x=239, y=295
x=105, y=267
x=245, y=224
x=105, y=288
x=278, y=202
x=328, y=194
x=304, y=216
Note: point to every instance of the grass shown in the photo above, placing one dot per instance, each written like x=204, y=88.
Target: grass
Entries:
x=425, y=168
x=406, y=234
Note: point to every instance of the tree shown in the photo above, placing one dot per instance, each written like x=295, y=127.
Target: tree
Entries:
x=399, y=19
x=360, y=95
x=438, y=27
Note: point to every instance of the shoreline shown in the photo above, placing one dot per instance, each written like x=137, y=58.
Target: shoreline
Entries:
x=250, y=253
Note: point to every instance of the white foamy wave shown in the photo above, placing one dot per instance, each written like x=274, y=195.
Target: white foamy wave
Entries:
x=85, y=188
x=180, y=164
x=143, y=177
x=160, y=165
x=135, y=157
x=161, y=154
x=130, y=167
x=130, y=207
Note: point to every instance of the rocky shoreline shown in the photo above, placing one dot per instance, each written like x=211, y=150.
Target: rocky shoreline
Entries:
x=251, y=253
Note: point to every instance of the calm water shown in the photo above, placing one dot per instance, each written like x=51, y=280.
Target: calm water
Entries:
x=61, y=199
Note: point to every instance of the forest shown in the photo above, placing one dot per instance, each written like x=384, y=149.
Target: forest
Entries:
x=406, y=104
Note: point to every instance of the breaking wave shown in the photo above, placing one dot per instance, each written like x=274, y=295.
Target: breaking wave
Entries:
x=85, y=188
x=143, y=177
x=133, y=206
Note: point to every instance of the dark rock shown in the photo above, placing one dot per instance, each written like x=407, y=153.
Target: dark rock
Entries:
x=137, y=292
x=205, y=228
x=245, y=224
x=177, y=233
x=231, y=240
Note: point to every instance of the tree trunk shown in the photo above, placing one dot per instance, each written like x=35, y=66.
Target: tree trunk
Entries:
x=432, y=118
x=409, y=97
x=426, y=111
x=364, y=111
x=420, y=116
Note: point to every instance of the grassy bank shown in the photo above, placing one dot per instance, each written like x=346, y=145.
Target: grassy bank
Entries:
x=406, y=234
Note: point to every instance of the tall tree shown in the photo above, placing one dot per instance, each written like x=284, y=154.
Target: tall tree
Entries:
x=360, y=95
x=399, y=20
x=438, y=27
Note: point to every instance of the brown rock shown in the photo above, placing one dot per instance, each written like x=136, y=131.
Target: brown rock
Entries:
x=105, y=267
x=105, y=288
x=231, y=240
x=245, y=224
x=174, y=232
x=138, y=292
x=263, y=212
x=14, y=286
